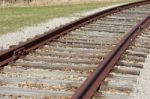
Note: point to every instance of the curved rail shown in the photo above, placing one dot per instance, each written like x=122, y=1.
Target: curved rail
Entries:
x=16, y=51
x=92, y=83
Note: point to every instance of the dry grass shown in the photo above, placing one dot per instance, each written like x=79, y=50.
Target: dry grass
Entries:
x=62, y=2
x=52, y=2
x=14, y=18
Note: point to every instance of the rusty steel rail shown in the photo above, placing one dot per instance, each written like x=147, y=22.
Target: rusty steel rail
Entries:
x=92, y=83
x=24, y=48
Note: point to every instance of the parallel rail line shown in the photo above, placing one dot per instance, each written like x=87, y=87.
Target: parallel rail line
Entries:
x=81, y=60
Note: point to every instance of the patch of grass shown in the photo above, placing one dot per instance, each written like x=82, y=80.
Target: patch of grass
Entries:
x=14, y=18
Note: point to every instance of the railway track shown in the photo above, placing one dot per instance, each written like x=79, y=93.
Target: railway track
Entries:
x=61, y=64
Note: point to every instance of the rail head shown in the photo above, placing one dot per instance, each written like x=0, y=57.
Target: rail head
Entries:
x=92, y=83
x=26, y=47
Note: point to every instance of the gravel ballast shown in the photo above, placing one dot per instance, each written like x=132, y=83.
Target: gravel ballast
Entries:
x=143, y=82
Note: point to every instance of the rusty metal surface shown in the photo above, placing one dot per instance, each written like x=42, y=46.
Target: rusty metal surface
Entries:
x=24, y=48
x=89, y=87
